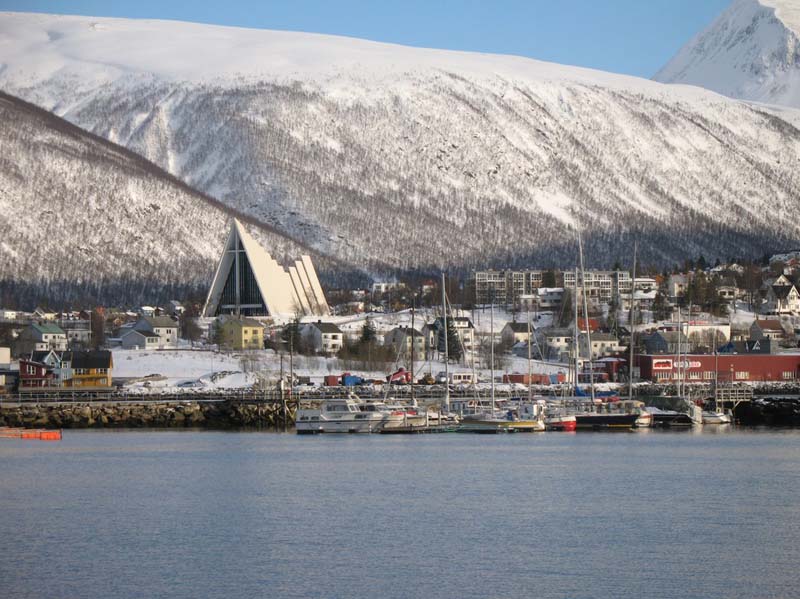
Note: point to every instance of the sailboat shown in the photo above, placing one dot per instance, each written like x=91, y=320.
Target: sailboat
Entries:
x=716, y=416
x=526, y=418
x=599, y=415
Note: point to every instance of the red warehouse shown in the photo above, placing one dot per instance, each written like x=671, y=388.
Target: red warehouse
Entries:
x=736, y=367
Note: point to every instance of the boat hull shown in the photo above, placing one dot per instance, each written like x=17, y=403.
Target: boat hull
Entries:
x=605, y=421
x=490, y=426
x=316, y=425
x=561, y=423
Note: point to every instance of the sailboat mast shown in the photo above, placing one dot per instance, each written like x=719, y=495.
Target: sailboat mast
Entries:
x=586, y=316
x=575, y=335
x=491, y=345
x=446, y=349
x=413, y=341
x=632, y=324
x=530, y=397
x=680, y=358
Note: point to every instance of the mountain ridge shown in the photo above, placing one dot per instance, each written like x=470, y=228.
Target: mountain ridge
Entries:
x=422, y=167
x=749, y=52
x=74, y=180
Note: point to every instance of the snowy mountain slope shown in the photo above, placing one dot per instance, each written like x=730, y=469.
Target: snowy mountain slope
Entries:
x=84, y=218
x=381, y=155
x=750, y=52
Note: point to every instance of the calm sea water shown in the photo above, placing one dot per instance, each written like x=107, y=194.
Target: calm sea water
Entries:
x=213, y=514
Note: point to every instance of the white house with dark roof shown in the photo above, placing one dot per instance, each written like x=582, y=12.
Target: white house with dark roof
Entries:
x=135, y=339
x=515, y=332
x=323, y=337
x=782, y=298
x=164, y=326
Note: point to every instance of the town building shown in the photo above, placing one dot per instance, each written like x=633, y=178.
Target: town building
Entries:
x=78, y=332
x=384, y=287
x=136, y=339
x=41, y=336
x=164, y=326
x=66, y=370
x=241, y=333
x=782, y=297
x=548, y=298
x=175, y=308
x=767, y=329
x=601, y=285
x=722, y=367
x=249, y=282
x=402, y=338
x=557, y=344
x=677, y=286
x=461, y=324
x=603, y=345
x=515, y=332
x=9, y=315
x=665, y=342
x=506, y=287
x=44, y=314
x=323, y=337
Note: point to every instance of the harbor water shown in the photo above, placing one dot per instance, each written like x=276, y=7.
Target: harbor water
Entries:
x=215, y=514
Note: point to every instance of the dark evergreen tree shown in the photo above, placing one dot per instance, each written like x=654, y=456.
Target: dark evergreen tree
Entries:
x=368, y=333
x=454, y=348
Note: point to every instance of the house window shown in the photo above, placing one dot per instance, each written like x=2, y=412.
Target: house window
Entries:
x=708, y=375
x=694, y=375
x=31, y=370
x=742, y=376
x=788, y=375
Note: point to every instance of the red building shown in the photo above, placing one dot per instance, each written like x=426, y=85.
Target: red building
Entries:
x=698, y=368
x=34, y=374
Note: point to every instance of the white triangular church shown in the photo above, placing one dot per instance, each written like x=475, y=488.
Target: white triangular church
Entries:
x=249, y=282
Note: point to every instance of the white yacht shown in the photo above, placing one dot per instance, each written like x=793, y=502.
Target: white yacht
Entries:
x=348, y=415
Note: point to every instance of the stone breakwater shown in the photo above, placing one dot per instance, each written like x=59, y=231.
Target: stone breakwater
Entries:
x=188, y=414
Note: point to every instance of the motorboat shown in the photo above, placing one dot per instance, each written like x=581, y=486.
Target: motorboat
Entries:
x=348, y=415
x=561, y=422
x=716, y=417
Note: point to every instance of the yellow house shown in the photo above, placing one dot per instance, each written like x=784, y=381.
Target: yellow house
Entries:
x=90, y=369
x=241, y=333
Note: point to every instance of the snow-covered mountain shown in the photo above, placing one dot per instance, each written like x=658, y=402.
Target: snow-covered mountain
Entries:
x=84, y=219
x=751, y=52
x=385, y=156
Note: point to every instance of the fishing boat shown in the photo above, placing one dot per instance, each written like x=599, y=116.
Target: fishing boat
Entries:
x=348, y=415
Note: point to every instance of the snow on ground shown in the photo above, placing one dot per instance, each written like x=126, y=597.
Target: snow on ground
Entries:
x=185, y=370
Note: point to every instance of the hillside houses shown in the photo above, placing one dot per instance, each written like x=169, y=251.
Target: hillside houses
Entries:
x=66, y=370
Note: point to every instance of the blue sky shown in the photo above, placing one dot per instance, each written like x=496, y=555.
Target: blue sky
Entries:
x=626, y=36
